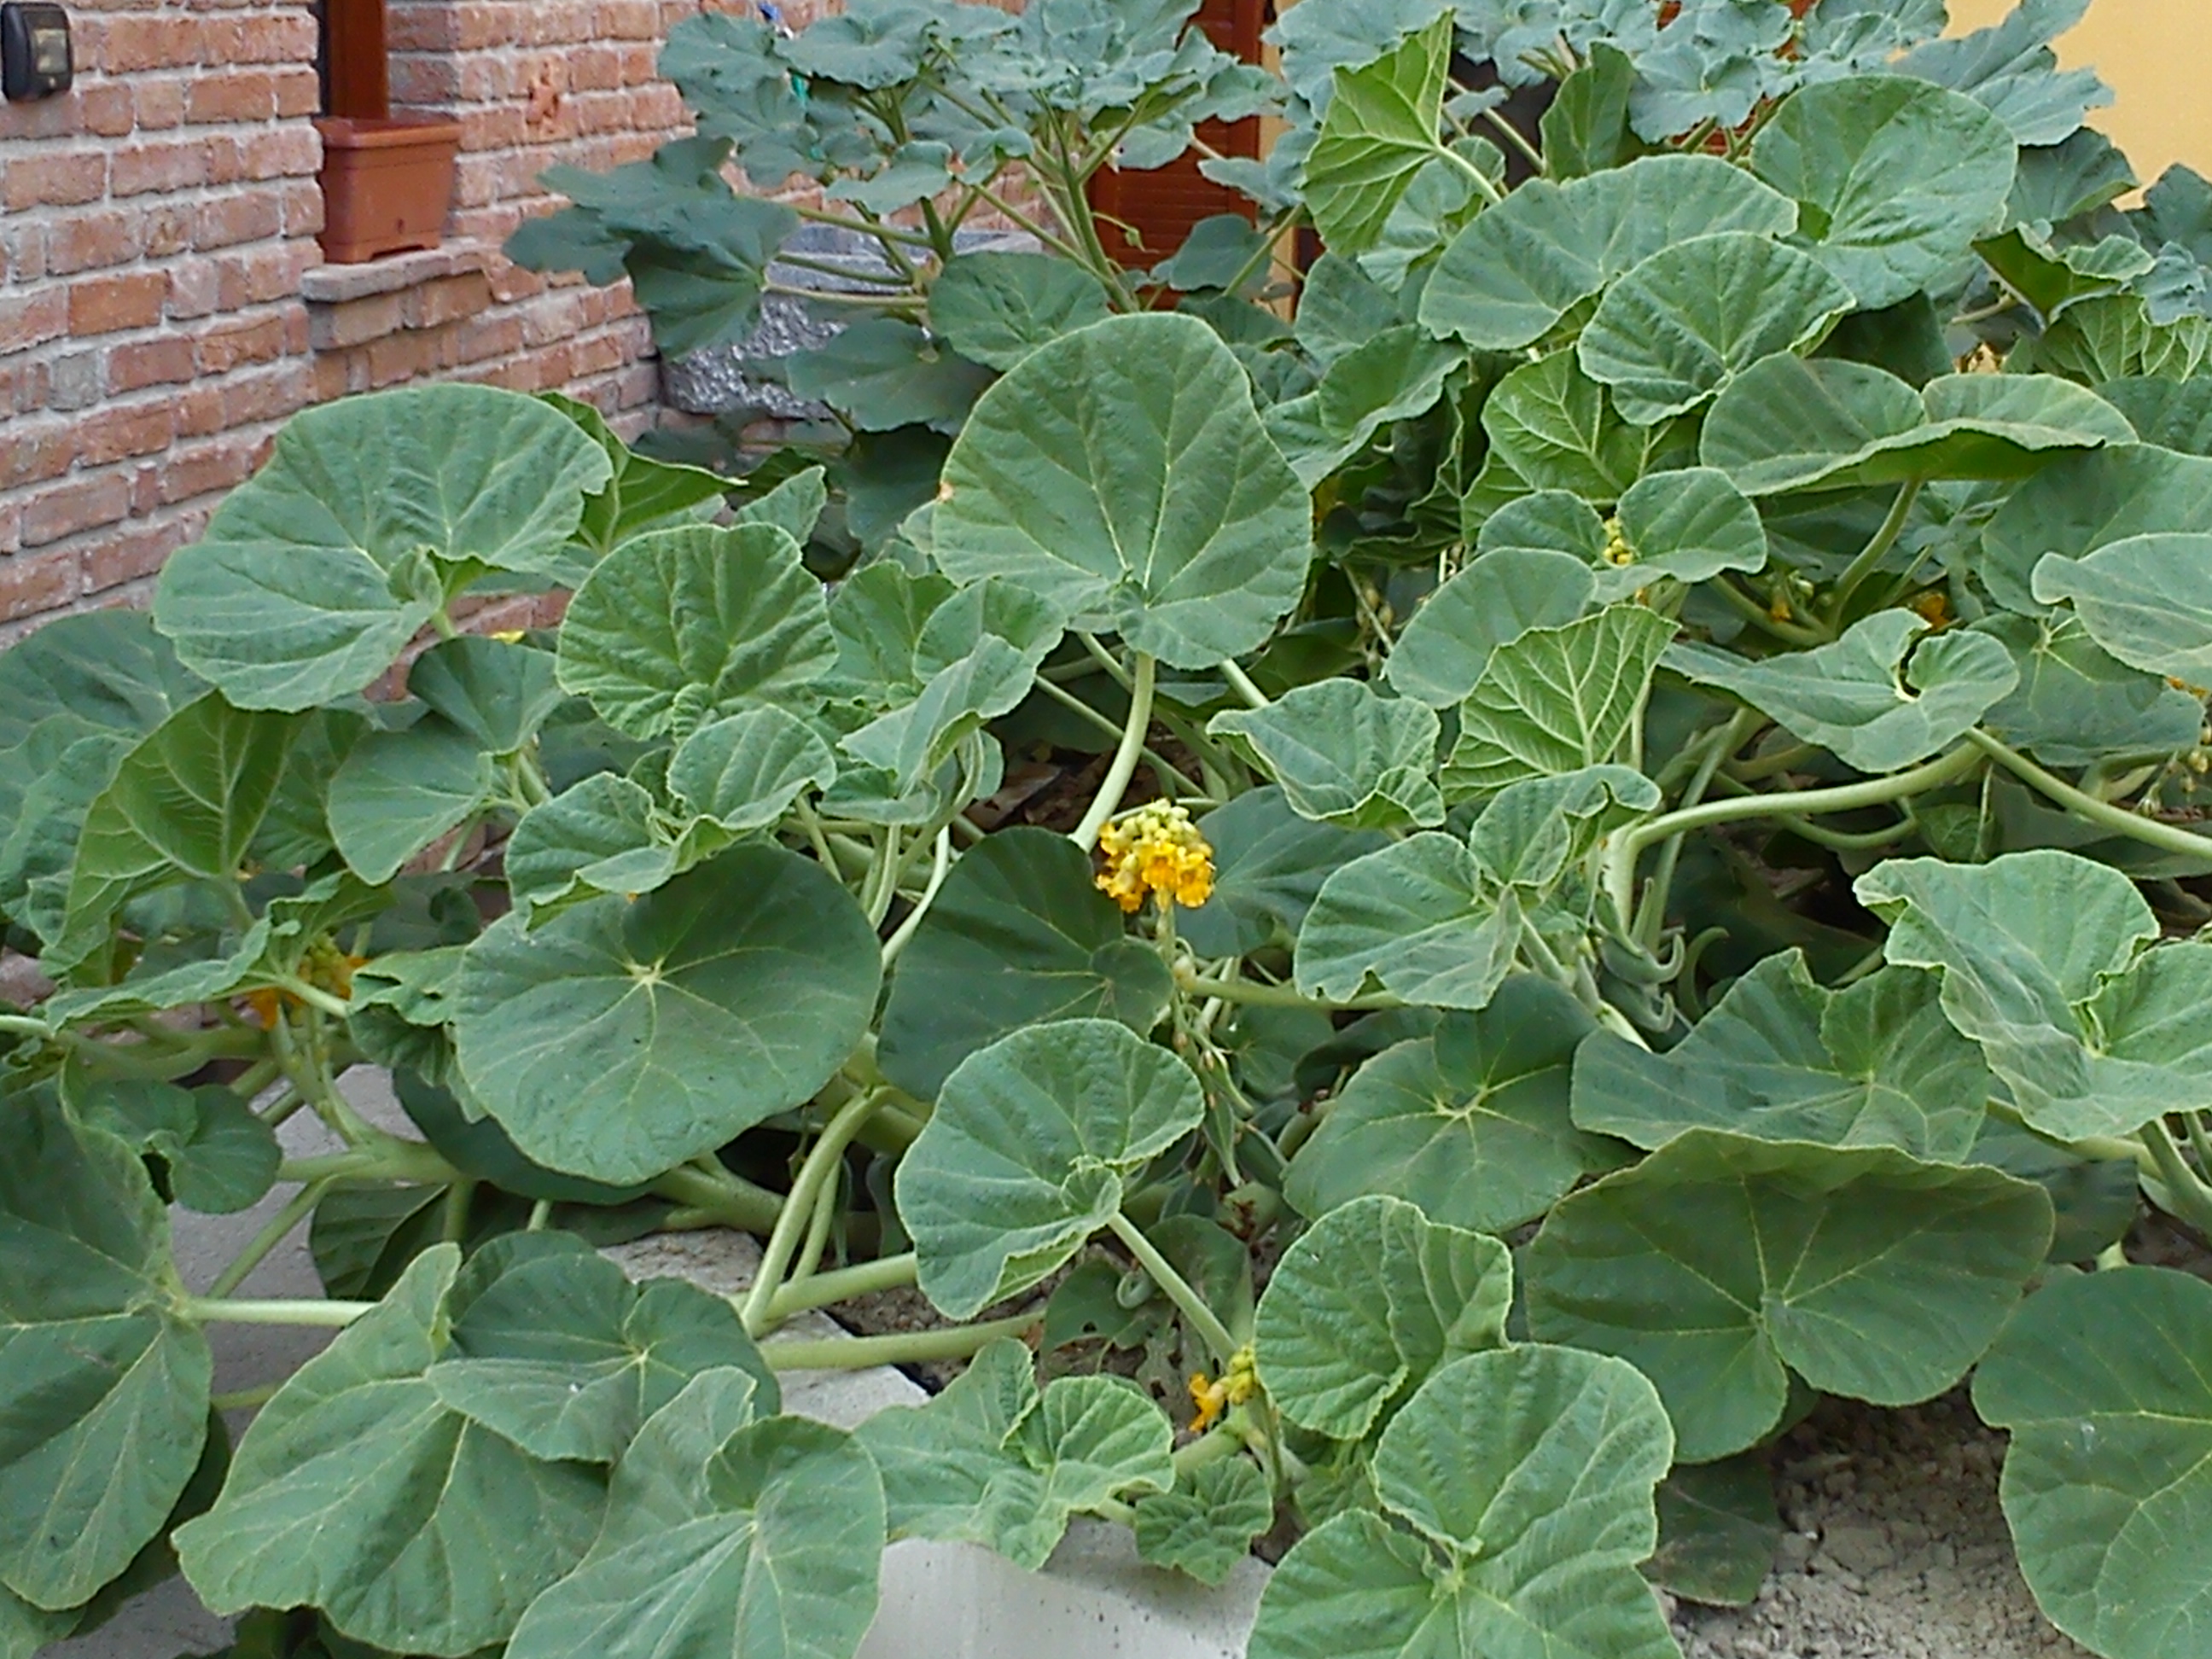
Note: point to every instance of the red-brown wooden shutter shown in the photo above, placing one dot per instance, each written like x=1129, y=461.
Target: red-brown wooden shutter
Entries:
x=357, y=78
x=1163, y=205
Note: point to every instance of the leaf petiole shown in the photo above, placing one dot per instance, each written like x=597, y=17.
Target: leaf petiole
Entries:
x=1175, y=1287
x=854, y=1353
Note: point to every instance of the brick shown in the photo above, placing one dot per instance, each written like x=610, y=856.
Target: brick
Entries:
x=299, y=92
x=334, y=376
x=302, y=203
x=63, y=179
x=446, y=300
x=255, y=276
x=233, y=345
x=105, y=304
x=199, y=411
x=237, y=95
x=119, y=433
x=292, y=151
x=23, y=249
x=356, y=322
x=74, y=505
x=174, y=165
x=269, y=396
x=398, y=357
x=130, y=554
x=105, y=110
x=32, y=319
x=23, y=387
x=146, y=42
x=28, y=585
x=277, y=37
x=248, y=216
x=205, y=469
x=195, y=288
x=36, y=453
x=78, y=379
x=168, y=229
x=89, y=241
x=142, y=363
x=157, y=105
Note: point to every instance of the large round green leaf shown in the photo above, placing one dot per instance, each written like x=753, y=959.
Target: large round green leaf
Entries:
x=216, y=1155
x=1721, y=1264
x=1556, y=699
x=1377, y=133
x=618, y=1040
x=498, y=691
x=1416, y=915
x=1495, y=600
x=1788, y=424
x=1688, y=525
x=1347, y=755
x=996, y=309
x=602, y=835
x=772, y=1545
x=1555, y=428
x=1781, y=1058
x=1894, y=179
x=680, y=627
x=108, y=668
x=1527, y=1475
x=1677, y=327
x=397, y=791
x=2148, y=600
x=2042, y=964
x=1859, y=698
x=103, y=1388
x=1268, y=864
x=2076, y=703
x=1019, y=934
x=2084, y=502
x=1025, y=1155
x=1520, y=268
x=1122, y=473
x=358, y=1492
x=2101, y=1379
x=1470, y=1124
x=996, y=1461
x=314, y=573
x=743, y=772
x=1372, y=1299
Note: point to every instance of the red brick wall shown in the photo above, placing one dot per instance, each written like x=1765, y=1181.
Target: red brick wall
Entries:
x=157, y=230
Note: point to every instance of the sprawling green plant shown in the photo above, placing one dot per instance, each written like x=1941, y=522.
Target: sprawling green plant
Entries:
x=1608, y=741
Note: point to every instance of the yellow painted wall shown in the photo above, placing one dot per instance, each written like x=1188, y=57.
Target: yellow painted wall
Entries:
x=2157, y=55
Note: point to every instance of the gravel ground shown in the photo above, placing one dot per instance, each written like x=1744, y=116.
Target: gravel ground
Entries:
x=1895, y=1548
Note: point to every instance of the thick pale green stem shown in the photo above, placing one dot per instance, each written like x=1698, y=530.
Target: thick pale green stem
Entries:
x=852, y=1353
x=822, y=1162
x=728, y=1201
x=1900, y=514
x=1254, y=995
x=1175, y=1288
x=1621, y=856
x=1084, y=712
x=940, y=866
x=1241, y=683
x=2191, y=1197
x=1124, y=766
x=893, y=1273
x=2168, y=837
x=216, y=1311
x=278, y=1230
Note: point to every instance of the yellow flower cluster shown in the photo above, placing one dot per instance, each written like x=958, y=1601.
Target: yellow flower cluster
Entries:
x=1212, y=1397
x=1156, y=849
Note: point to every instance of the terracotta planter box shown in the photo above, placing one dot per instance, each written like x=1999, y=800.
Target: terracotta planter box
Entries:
x=385, y=184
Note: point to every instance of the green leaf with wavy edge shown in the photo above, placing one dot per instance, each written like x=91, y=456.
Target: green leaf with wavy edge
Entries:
x=1894, y=180
x=397, y=792
x=993, y=1459
x=103, y=1388
x=1718, y=1531
x=883, y=372
x=1788, y=424
x=1206, y=1527
x=1687, y=525
x=1554, y=428
x=183, y=805
x=1859, y=697
x=2148, y=600
x=602, y=835
x=1418, y=917
x=1721, y=1264
x=2173, y=414
x=2101, y=1379
x=1027, y=1152
x=1379, y=130
x=1395, y=376
x=2043, y=963
x=1676, y=329
x=498, y=692
x=745, y=771
x=1471, y=1123
x=2084, y=502
x=1345, y=755
x=996, y=309
x=2077, y=704
x=618, y=1040
x=1504, y=594
x=1122, y=473
x=1529, y=832
x=552, y=1348
x=2011, y=69
x=1510, y=277
x=216, y=1155
x=640, y=493
x=1269, y=862
x=1556, y=699
x=772, y=1546
x=1366, y=1303
x=1019, y=935
x=357, y=1492
x=107, y=668
x=1782, y=1058
x=317, y=571
x=676, y=628
x=1526, y=1475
